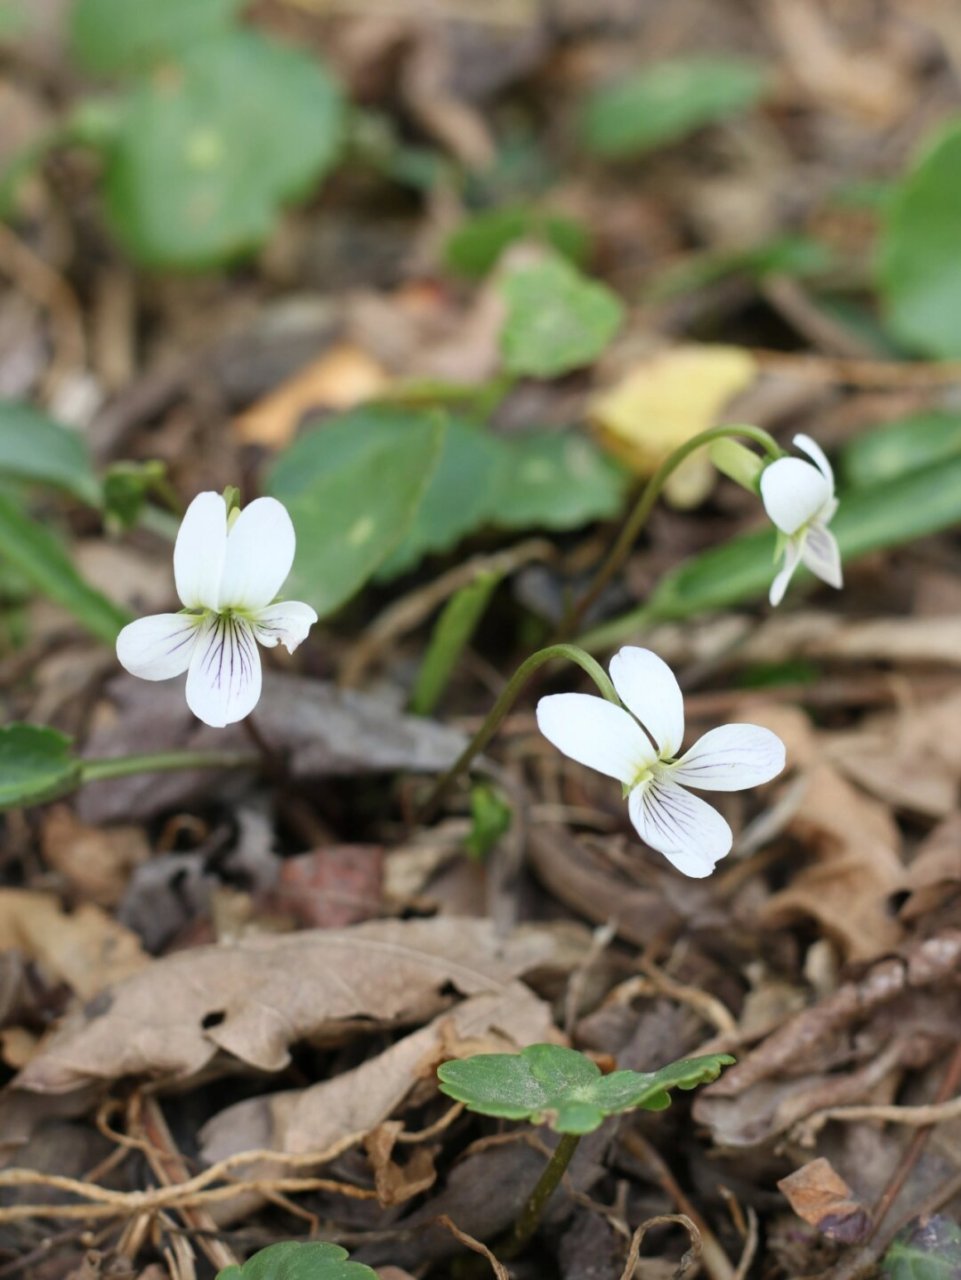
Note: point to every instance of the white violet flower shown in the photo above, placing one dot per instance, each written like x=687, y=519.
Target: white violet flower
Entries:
x=799, y=498
x=228, y=569
x=638, y=744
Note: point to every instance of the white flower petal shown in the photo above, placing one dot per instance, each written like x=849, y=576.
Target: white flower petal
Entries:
x=647, y=687
x=817, y=456
x=689, y=832
x=821, y=554
x=731, y=758
x=260, y=551
x=285, y=623
x=223, y=683
x=793, y=493
x=199, y=552
x=158, y=647
x=792, y=558
x=595, y=732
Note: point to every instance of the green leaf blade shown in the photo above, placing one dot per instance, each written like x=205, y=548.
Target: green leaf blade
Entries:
x=353, y=487
x=557, y=481
x=667, y=102
x=198, y=169
x=919, y=268
x=36, y=764
x=39, y=557
x=37, y=450
x=296, y=1260
x=108, y=36
x=548, y=1081
x=557, y=319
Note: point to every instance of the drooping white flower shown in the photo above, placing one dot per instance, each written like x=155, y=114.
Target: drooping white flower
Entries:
x=228, y=570
x=638, y=744
x=799, y=498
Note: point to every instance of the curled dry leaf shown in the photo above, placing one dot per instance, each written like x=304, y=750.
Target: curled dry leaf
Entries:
x=902, y=1011
x=338, y=1112
x=255, y=998
x=313, y=1119
x=325, y=731
x=821, y=1197
x=855, y=869
x=97, y=862
x=910, y=758
x=84, y=949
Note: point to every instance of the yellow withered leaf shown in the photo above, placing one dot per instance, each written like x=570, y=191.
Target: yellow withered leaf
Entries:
x=664, y=401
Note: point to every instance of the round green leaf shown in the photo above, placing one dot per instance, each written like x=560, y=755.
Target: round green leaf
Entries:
x=352, y=487
x=557, y=320
x=36, y=449
x=293, y=1260
x=554, y=480
x=35, y=765
x=919, y=265
x=120, y=35
x=458, y=498
x=564, y=1087
x=667, y=102
x=210, y=148
x=928, y=1248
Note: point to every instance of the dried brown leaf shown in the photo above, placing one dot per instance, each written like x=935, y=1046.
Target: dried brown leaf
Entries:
x=821, y=1197
x=255, y=998
x=84, y=949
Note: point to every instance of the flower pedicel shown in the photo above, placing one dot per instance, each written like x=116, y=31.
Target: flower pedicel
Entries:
x=228, y=568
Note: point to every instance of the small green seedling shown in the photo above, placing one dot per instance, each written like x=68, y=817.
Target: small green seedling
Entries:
x=292, y=1260
x=546, y=1083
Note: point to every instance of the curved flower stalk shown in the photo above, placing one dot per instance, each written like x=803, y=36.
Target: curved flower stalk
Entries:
x=799, y=499
x=228, y=568
x=638, y=744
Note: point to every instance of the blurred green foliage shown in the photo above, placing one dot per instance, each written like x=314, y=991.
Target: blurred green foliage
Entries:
x=919, y=266
x=666, y=102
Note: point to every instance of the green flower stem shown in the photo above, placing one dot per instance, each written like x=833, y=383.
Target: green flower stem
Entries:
x=642, y=509
x=530, y=1216
x=504, y=703
x=165, y=762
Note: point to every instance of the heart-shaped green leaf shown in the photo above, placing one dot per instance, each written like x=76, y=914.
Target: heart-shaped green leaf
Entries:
x=557, y=480
x=35, y=765
x=38, y=450
x=293, y=1260
x=116, y=35
x=352, y=487
x=208, y=150
x=557, y=319
x=547, y=1082
x=919, y=263
x=667, y=102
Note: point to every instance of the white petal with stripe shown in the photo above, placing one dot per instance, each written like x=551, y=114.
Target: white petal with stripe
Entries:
x=224, y=679
x=648, y=688
x=200, y=550
x=595, y=732
x=160, y=646
x=260, y=552
x=731, y=758
x=685, y=829
x=285, y=623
